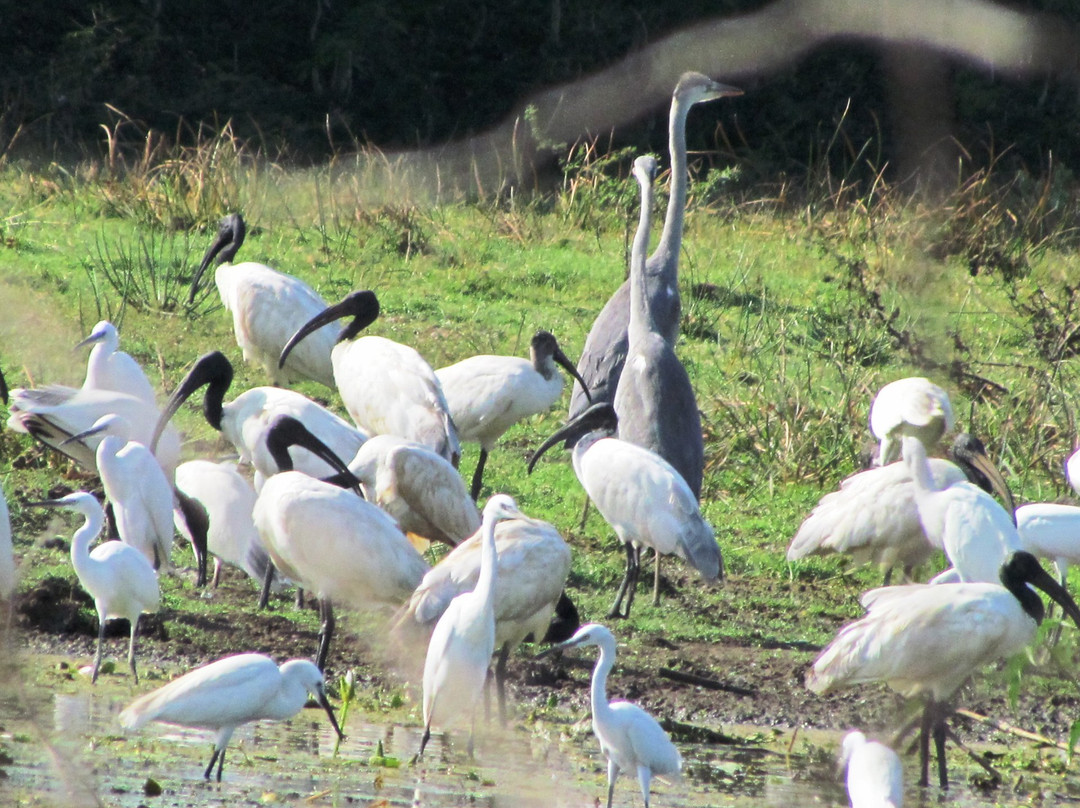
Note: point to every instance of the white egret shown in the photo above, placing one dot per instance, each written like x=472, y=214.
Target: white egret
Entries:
x=643, y=498
x=227, y=500
x=141, y=496
x=329, y=540
x=913, y=406
x=228, y=693
x=244, y=420
x=605, y=348
x=926, y=640
x=875, y=778
x=489, y=394
x=630, y=738
x=116, y=575
x=387, y=387
x=461, y=645
x=533, y=562
x=267, y=307
x=416, y=486
x=109, y=368
x=873, y=516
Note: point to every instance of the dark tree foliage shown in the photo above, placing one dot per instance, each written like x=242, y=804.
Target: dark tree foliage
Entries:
x=421, y=72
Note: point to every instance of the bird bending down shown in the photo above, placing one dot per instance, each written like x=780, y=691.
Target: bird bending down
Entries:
x=873, y=516
x=417, y=487
x=925, y=640
x=245, y=420
x=116, y=575
x=641, y=496
x=533, y=562
x=267, y=307
x=605, y=348
x=141, y=496
x=912, y=406
x=229, y=692
x=329, y=540
x=387, y=387
x=489, y=394
x=875, y=778
x=630, y=738
x=461, y=645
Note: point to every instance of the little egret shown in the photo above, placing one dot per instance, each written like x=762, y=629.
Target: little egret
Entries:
x=641, y=496
x=461, y=645
x=109, y=368
x=117, y=576
x=875, y=778
x=387, y=387
x=913, y=406
x=926, y=640
x=489, y=394
x=267, y=307
x=630, y=738
x=141, y=496
x=232, y=691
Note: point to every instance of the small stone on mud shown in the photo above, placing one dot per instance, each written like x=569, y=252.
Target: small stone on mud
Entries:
x=151, y=788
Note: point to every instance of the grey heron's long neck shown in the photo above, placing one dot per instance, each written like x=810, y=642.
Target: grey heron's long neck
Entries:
x=598, y=691
x=641, y=318
x=485, y=582
x=667, y=249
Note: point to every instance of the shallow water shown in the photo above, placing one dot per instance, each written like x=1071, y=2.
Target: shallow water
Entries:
x=71, y=751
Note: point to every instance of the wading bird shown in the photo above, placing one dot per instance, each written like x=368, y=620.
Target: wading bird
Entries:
x=109, y=368
x=461, y=645
x=267, y=307
x=117, y=576
x=630, y=738
x=244, y=420
x=926, y=640
x=641, y=496
x=329, y=540
x=533, y=562
x=387, y=387
x=228, y=693
x=489, y=394
x=873, y=517
x=875, y=778
x=419, y=488
x=605, y=348
x=911, y=406
x=135, y=485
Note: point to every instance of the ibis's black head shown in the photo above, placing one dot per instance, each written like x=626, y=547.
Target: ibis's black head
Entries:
x=1022, y=569
x=362, y=307
x=969, y=453
x=599, y=417
x=213, y=370
x=229, y=237
x=285, y=431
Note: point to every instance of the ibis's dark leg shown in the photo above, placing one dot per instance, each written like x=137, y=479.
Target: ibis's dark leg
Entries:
x=656, y=579
x=424, y=740
x=500, y=680
x=631, y=590
x=924, y=744
x=617, y=605
x=220, y=763
x=326, y=631
x=939, y=745
x=299, y=603
x=268, y=581
x=478, y=475
x=131, y=649
x=111, y=530
x=210, y=768
x=888, y=577
x=584, y=516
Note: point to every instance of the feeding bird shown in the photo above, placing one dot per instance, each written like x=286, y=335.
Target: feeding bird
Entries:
x=244, y=421
x=875, y=778
x=602, y=358
x=461, y=645
x=873, y=517
x=226, y=499
x=925, y=640
x=630, y=738
x=141, y=496
x=641, y=496
x=116, y=575
x=533, y=562
x=329, y=540
x=912, y=406
x=387, y=387
x=489, y=394
x=230, y=692
x=267, y=308
x=416, y=486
